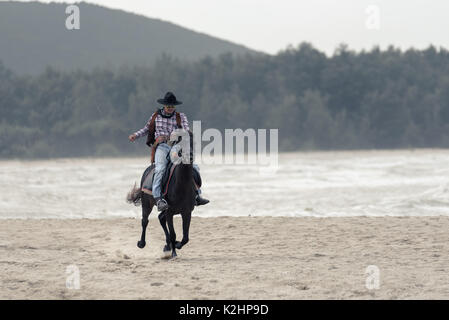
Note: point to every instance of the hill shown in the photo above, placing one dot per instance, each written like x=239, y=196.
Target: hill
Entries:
x=33, y=35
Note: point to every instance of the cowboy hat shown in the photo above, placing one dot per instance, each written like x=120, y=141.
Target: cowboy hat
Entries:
x=169, y=100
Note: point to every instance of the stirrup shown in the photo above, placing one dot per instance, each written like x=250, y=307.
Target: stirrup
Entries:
x=162, y=205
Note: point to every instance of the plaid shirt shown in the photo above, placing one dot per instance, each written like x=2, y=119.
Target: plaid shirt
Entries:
x=164, y=126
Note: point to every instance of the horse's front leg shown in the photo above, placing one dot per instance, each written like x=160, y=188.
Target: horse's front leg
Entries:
x=163, y=222
x=185, y=229
x=171, y=230
x=146, y=210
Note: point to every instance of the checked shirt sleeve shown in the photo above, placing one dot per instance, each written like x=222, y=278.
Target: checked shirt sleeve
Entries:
x=144, y=130
x=184, y=122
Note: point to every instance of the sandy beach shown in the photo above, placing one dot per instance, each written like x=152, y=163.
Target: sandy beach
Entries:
x=228, y=258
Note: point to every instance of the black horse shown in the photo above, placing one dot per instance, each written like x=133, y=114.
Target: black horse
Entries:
x=180, y=197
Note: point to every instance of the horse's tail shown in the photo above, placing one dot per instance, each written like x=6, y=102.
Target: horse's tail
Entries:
x=134, y=196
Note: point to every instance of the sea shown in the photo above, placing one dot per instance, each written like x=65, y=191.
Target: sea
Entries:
x=410, y=182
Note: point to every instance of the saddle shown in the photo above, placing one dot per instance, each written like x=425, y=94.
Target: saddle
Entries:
x=146, y=182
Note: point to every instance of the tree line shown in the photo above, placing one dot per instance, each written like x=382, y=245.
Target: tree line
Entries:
x=351, y=100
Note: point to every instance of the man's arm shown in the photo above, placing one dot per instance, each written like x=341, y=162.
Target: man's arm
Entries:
x=141, y=132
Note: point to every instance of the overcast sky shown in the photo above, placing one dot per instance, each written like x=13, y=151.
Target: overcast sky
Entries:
x=271, y=25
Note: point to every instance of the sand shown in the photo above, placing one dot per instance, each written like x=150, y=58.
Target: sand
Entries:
x=228, y=258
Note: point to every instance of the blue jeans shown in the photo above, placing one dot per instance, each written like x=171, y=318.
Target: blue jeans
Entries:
x=161, y=160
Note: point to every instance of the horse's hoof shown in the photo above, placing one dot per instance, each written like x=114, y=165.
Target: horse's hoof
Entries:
x=178, y=245
x=173, y=256
x=166, y=252
x=141, y=244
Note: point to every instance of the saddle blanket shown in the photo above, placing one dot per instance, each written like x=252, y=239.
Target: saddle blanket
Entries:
x=148, y=176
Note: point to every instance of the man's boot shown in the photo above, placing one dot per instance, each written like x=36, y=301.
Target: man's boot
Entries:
x=200, y=201
x=161, y=204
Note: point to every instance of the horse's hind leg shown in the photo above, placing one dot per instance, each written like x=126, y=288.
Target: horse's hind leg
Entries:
x=163, y=222
x=146, y=210
x=185, y=230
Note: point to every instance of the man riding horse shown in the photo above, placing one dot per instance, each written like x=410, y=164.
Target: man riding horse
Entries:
x=159, y=128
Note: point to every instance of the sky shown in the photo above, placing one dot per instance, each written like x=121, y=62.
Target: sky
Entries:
x=272, y=25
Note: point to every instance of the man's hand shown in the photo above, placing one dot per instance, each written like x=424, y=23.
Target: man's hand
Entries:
x=132, y=137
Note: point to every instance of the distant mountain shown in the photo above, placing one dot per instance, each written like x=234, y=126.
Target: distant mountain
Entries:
x=33, y=35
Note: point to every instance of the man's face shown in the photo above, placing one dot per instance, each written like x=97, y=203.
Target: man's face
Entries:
x=169, y=109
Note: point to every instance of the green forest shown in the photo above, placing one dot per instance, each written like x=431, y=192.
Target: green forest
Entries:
x=351, y=100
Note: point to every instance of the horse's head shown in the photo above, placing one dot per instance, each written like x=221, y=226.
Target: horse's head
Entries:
x=182, y=146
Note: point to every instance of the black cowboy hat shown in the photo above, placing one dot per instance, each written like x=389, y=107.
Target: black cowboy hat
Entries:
x=169, y=100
